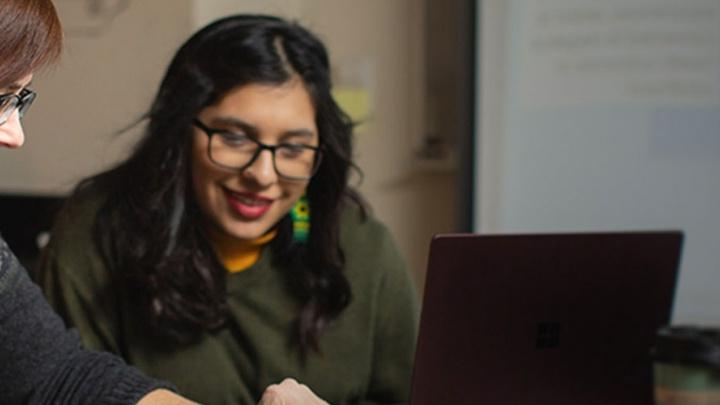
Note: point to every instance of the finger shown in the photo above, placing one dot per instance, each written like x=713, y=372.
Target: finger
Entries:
x=290, y=381
x=271, y=395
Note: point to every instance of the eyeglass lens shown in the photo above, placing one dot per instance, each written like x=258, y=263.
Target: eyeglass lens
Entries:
x=9, y=102
x=294, y=161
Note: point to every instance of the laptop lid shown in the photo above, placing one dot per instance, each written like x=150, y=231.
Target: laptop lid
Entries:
x=543, y=319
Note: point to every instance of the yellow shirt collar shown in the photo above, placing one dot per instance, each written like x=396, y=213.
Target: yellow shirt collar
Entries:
x=237, y=255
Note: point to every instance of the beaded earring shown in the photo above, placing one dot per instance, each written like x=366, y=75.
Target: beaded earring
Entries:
x=300, y=214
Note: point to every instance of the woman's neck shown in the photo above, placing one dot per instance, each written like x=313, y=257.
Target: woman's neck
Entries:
x=235, y=254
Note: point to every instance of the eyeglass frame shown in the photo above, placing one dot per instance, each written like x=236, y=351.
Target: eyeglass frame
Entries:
x=210, y=132
x=22, y=103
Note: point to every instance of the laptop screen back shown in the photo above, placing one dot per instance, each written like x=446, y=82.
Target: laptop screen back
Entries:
x=543, y=319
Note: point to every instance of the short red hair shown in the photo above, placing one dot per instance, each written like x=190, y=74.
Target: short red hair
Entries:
x=30, y=37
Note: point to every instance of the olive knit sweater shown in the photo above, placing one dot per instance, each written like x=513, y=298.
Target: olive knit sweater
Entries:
x=366, y=354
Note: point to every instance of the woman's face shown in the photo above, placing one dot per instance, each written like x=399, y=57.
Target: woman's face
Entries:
x=246, y=204
x=11, y=132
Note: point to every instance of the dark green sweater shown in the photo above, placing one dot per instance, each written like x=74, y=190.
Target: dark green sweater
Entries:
x=367, y=353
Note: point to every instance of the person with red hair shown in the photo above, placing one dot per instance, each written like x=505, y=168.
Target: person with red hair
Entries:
x=40, y=360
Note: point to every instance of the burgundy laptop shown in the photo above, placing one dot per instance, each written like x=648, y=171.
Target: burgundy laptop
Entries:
x=561, y=319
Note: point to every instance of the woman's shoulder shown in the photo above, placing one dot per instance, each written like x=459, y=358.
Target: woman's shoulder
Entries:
x=367, y=243
x=79, y=210
x=72, y=238
x=374, y=264
x=357, y=222
x=9, y=267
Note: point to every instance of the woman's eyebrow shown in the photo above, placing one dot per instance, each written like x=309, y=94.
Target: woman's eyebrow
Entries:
x=253, y=130
x=233, y=122
x=15, y=87
x=12, y=88
x=298, y=133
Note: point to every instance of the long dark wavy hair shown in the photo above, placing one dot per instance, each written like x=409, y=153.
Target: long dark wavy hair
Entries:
x=157, y=242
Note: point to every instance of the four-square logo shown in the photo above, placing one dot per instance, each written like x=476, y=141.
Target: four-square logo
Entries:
x=548, y=335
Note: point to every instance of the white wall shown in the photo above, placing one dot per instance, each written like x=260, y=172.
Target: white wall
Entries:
x=605, y=116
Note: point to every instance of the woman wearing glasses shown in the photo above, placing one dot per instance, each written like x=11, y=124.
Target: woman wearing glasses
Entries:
x=15, y=97
x=40, y=361
x=228, y=252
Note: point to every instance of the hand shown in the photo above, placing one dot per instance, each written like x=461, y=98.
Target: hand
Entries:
x=164, y=397
x=290, y=392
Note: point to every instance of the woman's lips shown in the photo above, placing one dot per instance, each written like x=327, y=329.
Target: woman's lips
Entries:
x=248, y=205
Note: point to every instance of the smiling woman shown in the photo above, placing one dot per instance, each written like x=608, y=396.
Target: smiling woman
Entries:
x=228, y=252
x=247, y=206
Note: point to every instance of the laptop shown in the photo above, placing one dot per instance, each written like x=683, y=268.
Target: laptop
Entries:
x=561, y=319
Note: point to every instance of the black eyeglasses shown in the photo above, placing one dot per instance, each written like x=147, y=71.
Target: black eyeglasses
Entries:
x=235, y=151
x=9, y=102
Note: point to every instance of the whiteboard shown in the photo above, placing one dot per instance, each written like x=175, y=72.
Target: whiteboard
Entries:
x=604, y=115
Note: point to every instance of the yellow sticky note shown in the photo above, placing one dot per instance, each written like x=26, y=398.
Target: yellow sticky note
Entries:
x=355, y=101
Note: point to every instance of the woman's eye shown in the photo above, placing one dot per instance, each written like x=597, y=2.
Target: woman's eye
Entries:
x=293, y=150
x=235, y=139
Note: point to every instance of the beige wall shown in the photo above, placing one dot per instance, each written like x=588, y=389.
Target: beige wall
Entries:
x=108, y=74
x=112, y=67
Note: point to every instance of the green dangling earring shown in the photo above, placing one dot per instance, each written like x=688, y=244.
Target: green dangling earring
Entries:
x=300, y=214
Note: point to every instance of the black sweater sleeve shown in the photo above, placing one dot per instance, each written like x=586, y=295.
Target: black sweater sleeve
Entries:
x=41, y=362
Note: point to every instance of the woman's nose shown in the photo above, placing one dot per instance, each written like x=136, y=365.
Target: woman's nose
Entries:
x=11, y=132
x=262, y=170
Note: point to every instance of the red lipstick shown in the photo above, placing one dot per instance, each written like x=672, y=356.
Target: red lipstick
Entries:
x=248, y=205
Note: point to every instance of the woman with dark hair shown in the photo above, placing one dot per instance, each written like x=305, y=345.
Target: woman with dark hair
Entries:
x=40, y=361
x=228, y=251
